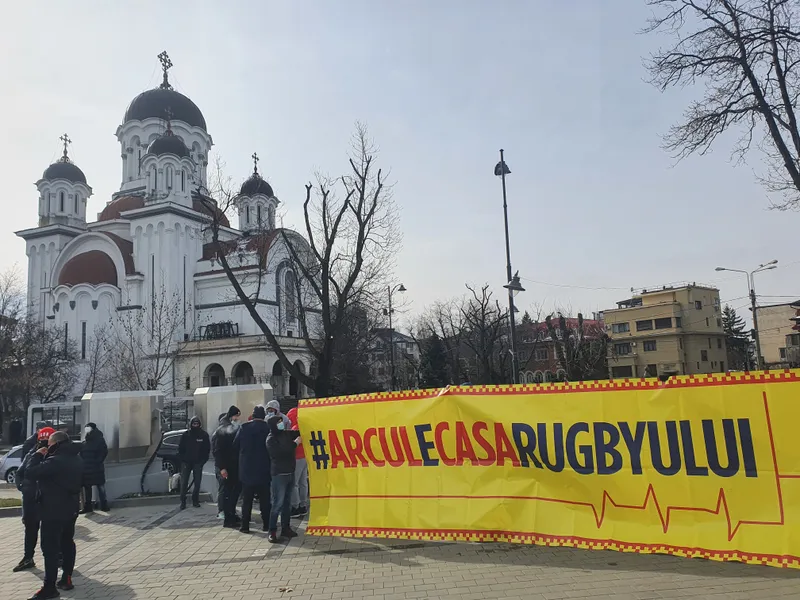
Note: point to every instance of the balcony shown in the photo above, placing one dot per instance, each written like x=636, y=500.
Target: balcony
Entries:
x=218, y=331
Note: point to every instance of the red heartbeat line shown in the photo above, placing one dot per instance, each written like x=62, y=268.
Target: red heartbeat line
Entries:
x=664, y=514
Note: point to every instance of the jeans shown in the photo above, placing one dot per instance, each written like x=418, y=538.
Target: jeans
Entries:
x=300, y=487
x=31, y=537
x=232, y=490
x=57, y=539
x=248, y=491
x=220, y=491
x=87, y=497
x=196, y=471
x=281, y=500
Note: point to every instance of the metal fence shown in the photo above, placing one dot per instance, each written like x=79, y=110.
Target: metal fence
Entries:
x=175, y=414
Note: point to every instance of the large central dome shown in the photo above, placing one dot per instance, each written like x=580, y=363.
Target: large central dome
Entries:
x=161, y=102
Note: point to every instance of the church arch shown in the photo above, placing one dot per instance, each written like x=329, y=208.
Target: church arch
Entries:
x=214, y=375
x=242, y=373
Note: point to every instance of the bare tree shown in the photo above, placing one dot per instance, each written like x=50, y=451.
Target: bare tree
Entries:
x=144, y=344
x=486, y=334
x=99, y=364
x=445, y=320
x=343, y=258
x=746, y=53
x=580, y=348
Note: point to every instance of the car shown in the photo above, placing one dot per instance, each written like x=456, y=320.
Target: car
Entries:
x=10, y=463
x=168, y=451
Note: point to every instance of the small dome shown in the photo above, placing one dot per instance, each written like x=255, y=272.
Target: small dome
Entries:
x=93, y=267
x=157, y=102
x=169, y=143
x=200, y=206
x=256, y=185
x=64, y=169
x=116, y=207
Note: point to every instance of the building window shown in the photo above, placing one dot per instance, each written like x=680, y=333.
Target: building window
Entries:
x=76, y=204
x=707, y=324
x=651, y=371
x=622, y=349
x=650, y=346
x=247, y=214
x=541, y=354
x=188, y=383
x=678, y=322
x=644, y=325
x=61, y=202
x=709, y=342
x=698, y=304
x=719, y=322
x=183, y=180
x=719, y=343
x=620, y=372
x=140, y=163
x=66, y=339
x=793, y=339
x=83, y=340
x=704, y=355
x=783, y=353
x=680, y=343
x=665, y=323
x=620, y=328
x=291, y=296
x=155, y=179
x=258, y=214
x=722, y=366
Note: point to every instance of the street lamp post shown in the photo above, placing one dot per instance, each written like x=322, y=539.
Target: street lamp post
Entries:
x=391, y=290
x=513, y=286
x=773, y=264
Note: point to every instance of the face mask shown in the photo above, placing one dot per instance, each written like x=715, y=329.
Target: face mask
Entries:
x=87, y=430
x=235, y=424
x=270, y=415
x=281, y=426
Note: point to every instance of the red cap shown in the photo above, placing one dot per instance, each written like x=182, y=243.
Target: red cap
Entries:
x=45, y=433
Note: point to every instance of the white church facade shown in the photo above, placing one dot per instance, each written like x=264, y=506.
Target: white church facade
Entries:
x=154, y=237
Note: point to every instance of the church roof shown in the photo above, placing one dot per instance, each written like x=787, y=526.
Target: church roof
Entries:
x=116, y=207
x=64, y=169
x=169, y=143
x=260, y=243
x=255, y=184
x=159, y=102
x=96, y=267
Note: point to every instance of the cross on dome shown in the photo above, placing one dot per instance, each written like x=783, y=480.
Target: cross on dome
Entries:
x=166, y=65
x=65, y=139
x=255, y=163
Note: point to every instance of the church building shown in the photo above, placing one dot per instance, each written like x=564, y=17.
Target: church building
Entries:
x=153, y=238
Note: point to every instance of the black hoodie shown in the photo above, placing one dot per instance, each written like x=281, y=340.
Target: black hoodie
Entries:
x=195, y=446
x=59, y=476
x=281, y=447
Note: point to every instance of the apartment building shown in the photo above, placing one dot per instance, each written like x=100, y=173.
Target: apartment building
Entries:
x=670, y=331
x=778, y=334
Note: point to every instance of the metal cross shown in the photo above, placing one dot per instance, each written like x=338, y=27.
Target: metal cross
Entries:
x=65, y=138
x=166, y=65
x=255, y=162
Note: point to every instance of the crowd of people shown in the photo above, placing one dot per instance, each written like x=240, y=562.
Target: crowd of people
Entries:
x=258, y=459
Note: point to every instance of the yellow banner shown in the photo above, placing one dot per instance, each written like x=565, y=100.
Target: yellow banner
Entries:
x=705, y=466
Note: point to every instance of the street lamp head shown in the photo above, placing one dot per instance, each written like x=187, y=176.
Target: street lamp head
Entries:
x=720, y=269
x=402, y=288
x=501, y=168
x=514, y=287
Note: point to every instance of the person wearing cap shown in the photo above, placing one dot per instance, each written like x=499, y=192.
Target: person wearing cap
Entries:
x=194, y=449
x=58, y=471
x=274, y=409
x=254, y=467
x=94, y=451
x=232, y=418
x=30, y=507
x=281, y=445
x=226, y=459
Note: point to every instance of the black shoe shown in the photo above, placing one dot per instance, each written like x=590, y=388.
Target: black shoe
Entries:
x=86, y=511
x=24, y=565
x=230, y=525
x=272, y=538
x=288, y=532
x=238, y=520
x=46, y=594
x=196, y=504
x=105, y=508
x=183, y=505
x=65, y=584
x=244, y=529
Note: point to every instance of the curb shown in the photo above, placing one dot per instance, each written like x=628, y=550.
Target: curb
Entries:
x=10, y=511
x=16, y=511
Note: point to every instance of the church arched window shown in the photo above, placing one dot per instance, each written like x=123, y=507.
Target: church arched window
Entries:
x=247, y=214
x=291, y=296
x=61, y=202
x=183, y=180
x=258, y=214
x=169, y=177
x=155, y=179
x=271, y=217
x=76, y=204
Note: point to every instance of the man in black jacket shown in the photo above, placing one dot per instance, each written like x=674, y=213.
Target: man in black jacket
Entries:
x=193, y=450
x=281, y=444
x=254, y=467
x=58, y=471
x=94, y=451
x=230, y=418
x=226, y=459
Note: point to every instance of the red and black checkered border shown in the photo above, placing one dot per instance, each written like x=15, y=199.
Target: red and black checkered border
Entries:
x=519, y=537
x=533, y=389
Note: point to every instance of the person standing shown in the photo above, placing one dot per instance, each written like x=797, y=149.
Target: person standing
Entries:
x=226, y=459
x=281, y=445
x=300, y=498
x=231, y=418
x=94, y=451
x=58, y=472
x=274, y=408
x=194, y=449
x=254, y=467
x=31, y=516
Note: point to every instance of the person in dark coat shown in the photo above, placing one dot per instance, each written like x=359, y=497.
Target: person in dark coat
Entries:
x=194, y=449
x=281, y=444
x=231, y=418
x=94, y=451
x=31, y=443
x=58, y=472
x=254, y=471
x=30, y=502
x=226, y=459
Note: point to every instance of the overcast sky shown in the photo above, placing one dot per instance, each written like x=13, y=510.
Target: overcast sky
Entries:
x=596, y=206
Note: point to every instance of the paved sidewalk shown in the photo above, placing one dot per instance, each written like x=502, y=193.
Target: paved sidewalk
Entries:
x=162, y=554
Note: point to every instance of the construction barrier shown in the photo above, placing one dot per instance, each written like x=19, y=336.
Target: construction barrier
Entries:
x=705, y=466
